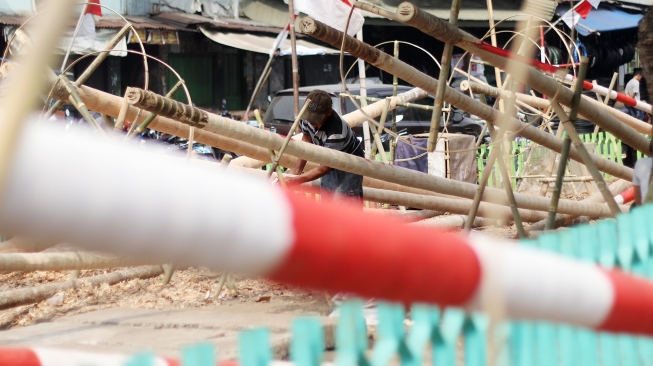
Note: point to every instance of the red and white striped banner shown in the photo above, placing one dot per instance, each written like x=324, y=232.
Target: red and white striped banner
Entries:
x=39, y=356
x=43, y=356
x=612, y=94
x=230, y=221
x=626, y=196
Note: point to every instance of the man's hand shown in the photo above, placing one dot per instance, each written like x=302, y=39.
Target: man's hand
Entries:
x=293, y=180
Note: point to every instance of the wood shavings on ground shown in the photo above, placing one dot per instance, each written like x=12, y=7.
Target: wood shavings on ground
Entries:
x=187, y=289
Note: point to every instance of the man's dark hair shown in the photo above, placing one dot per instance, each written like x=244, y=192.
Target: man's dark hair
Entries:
x=320, y=101
x=637, y=71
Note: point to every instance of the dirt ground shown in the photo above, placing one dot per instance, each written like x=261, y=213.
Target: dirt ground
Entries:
x=189, y=288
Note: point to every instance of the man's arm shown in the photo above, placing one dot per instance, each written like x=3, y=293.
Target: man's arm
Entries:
x=299, y=166
x=310, y=175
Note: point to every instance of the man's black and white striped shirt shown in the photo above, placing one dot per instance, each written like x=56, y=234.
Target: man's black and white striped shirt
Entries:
x=334, y=134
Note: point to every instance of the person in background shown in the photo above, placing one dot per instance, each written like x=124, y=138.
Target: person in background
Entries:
x=322, y=126
x=642, y=179
x=632, y=90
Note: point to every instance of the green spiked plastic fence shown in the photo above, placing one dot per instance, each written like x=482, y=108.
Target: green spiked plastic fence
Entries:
x=606, y=146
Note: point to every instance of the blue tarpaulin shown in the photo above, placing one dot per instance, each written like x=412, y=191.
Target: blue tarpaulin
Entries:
x=602, y=20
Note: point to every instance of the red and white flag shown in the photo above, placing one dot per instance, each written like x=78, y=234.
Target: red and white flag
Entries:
x=280, y=41
x=94, y=9
x=87, y=23
x=580, y=11
x=333, y=13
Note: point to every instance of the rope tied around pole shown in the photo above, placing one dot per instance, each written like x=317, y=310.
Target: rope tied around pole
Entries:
x=167, y=107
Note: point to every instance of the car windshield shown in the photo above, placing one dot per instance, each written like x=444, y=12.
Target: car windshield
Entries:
x=282, y=108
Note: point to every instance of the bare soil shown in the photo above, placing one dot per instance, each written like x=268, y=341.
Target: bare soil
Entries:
x=188, y=288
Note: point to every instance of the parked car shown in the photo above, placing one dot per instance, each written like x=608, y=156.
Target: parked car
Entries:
x=279, y=116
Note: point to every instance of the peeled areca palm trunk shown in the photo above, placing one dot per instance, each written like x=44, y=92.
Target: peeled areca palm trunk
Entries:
x=410, y=14
x=406, y=72
x=376, y=190
x=109, y=104
x=201, y=120
x=353, y=119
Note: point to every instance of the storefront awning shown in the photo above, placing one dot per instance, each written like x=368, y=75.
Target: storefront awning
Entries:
x=263, y=44
x=603, y=20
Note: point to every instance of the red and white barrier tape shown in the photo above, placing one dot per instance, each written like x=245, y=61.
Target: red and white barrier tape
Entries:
x=43, y=356
x=38, y=356
x=626, y=196
x=619, y=97
x=70, y=188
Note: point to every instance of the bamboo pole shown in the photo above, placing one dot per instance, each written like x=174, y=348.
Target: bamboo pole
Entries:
x=511, y=198
x=557, y=188
x=454, y=206
x=637, y=125
x=485, y=177
x=335, y=159
x=494, y=155
x=77, y=102
x=120, y=120
x=93, y=66
x=568, y=179
x=611, y=88
x=275, y=160
x=615, y=188
x=607, y=97
x=261, y=125
x=395, y=83
x=266, y=71
x=362, y=79
x=377, y=131
x=394, y=194
x=407, y=105
x=293, y=52
x=598, y=178
x=493, y=41
x=550, y=164
x=454, y=221
x=439, y=29
x=562, y=164
x=406, y=216
x=445, y=66
x=78, y=26
x=30, y=295
x=220, y=285
x=30, y=262
x=402, y=70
